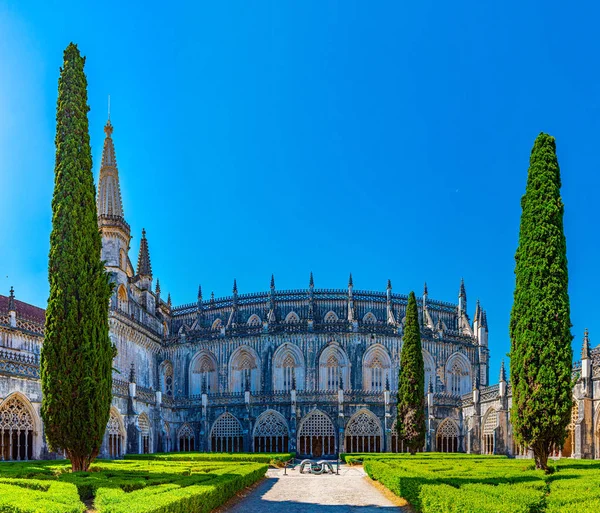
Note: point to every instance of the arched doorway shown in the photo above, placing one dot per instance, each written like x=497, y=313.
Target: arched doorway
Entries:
x=363, y=433
x=16, y=430
x=447, y=436
x=489, y=432
x=226, y=434
x=186, y=438
x=144, y=426
x=115, y=432
x=271, y=433
x=316, y=435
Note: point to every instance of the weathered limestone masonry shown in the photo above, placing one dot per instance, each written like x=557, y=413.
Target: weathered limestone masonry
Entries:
x=310, y=370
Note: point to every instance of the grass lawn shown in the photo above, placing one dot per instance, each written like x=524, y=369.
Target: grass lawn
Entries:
x=460, y=483
x=164, y=483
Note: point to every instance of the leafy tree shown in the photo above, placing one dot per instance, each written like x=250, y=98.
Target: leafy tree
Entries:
x=411, y=382
x=541, y=353
x=77, y=354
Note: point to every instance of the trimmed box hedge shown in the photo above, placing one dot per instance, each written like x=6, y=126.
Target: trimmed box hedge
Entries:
x=456, y=483
x=145, y=485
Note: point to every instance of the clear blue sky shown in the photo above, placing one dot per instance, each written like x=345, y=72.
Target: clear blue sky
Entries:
x=390, y=139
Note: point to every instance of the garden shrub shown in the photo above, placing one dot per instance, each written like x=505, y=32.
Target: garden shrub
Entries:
x=34, y=496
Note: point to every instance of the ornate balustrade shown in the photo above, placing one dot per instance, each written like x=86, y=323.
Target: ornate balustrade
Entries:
x=19, y=364
x=144, y=394
x=120, y=388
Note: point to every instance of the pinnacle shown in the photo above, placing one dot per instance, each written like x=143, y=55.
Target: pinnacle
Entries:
x=144, y=267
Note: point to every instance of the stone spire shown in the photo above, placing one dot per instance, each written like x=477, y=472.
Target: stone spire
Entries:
x=235, y=290
x=462, y=296
x=109, y=201
x=350, y=300
x=311, y=299
x=199, y=308
x=169, y=302
x=144, y=267
x=502, y=372
x=585, y=350
x=389, y=307
x=271, y=317
x=157, y=290
x=11, y=300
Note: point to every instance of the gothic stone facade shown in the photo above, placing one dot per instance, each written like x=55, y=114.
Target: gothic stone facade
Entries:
x=312, y=371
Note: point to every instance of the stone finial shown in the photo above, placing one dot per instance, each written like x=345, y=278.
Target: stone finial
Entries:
x=235, y=289
x=157, y=287
x=389, y=284
x=387, y=383
x=476, y=382
x=11, y=300
x=273, y=282
x=144, y=267
x=477, y=312
x=200, y=293
x=502, y=372
x=311, y=282
x=430, y=386
x=425, y=292
x=132, y=373
x=109, y=202
x=585, y=350
x=212, y=297
x=341, y=383
x=169, y=300
x=484, y=322
x=462, y=292
x=350, y=283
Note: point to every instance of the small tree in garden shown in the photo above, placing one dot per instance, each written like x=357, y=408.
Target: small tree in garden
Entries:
x=411, y=382
x=540, y=323
x=77, y=354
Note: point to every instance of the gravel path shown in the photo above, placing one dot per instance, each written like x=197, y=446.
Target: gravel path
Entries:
x=305, y=493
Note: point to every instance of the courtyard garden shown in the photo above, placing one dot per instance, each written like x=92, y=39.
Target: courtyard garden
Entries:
x=164, y=483
x=460, y=483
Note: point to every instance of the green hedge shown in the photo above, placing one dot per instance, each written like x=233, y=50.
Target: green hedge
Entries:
x=212, y=456
x=173, y=498
x=440, y=483
x=140, y=486
x=36, y=496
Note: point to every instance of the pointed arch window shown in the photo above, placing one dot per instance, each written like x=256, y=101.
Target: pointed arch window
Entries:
x=16, y=430
x=226, y=434
x=167, y=379
x=330, y=317
x=271, y=433
x=254, y=321
x=114, y=430
x=144, y=425
x=489, y=432
x=203, y=377
x=369, y=318
x=186, y=438
x=447, y=436
x=292, y=317
x=363, y=433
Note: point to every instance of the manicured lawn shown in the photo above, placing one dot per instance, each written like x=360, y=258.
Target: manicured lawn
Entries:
x=457, y=483
x=174, y=483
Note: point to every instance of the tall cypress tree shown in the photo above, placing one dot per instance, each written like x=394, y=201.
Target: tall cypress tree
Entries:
x=411, y=382
x=541, y=353
x=76, y=359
